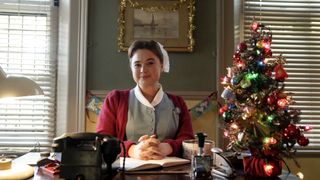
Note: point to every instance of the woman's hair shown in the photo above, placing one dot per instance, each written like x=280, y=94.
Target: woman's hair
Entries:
x=151, y=45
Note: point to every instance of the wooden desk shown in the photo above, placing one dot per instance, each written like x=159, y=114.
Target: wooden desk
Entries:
x=172, y=173
x=40, y=175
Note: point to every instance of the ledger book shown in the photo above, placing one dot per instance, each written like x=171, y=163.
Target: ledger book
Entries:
x=132, y=164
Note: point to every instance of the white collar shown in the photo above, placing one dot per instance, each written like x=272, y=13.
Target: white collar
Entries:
x=157, y=99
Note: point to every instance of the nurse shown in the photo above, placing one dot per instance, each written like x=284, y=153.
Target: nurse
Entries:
x=151, y=123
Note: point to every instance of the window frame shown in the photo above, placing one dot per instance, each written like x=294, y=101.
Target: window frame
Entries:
x=72, y=60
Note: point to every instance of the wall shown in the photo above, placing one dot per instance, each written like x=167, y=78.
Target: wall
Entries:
x=309, y=167
x=108, y=69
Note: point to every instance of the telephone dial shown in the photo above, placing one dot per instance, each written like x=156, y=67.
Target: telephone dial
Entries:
x=86, y=155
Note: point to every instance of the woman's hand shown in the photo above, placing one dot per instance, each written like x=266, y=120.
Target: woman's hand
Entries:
x=165, y=149
x=149, y=147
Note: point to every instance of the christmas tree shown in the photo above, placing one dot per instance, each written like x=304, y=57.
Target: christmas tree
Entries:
x=257, y=115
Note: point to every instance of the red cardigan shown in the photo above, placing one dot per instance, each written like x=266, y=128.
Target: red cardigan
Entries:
x=113, y=119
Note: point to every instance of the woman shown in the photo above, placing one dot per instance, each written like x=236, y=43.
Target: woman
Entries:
x=151, y=123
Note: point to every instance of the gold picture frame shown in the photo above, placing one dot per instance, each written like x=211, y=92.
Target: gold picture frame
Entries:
x=169, y=22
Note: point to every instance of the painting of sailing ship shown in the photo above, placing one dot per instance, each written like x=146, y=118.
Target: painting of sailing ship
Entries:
x=170, y=23
x=155, y=24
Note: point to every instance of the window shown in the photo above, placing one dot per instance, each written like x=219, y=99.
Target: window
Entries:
x=27, y=47
x=296, y=34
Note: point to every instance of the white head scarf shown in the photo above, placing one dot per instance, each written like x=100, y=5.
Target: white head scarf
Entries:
x=166, y=65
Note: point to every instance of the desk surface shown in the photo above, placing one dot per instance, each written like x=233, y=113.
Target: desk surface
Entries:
x=181, y=172
x=173, y=173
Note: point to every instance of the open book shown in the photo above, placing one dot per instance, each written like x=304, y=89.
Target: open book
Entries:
x=132, y=164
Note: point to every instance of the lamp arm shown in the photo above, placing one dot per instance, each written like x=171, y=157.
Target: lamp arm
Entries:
x=3, y=75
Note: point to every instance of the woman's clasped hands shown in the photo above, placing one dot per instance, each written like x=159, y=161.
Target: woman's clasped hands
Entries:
x=149, y=147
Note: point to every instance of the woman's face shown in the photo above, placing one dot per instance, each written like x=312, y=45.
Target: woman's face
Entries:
x=146, y=68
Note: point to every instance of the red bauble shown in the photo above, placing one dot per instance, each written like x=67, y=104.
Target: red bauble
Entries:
x=242, y=47
x=291, y=131
x=303, y=141
x=280, y=73
x=271, y=100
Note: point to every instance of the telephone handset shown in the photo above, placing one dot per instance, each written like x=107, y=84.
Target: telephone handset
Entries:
x=83, y=154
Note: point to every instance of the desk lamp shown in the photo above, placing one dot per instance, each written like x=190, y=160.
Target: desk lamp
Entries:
x=16, y=86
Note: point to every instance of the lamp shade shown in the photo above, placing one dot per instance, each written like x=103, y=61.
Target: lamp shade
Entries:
x=16, y=86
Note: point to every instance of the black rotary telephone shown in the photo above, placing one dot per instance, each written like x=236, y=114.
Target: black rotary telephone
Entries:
x=86, y=155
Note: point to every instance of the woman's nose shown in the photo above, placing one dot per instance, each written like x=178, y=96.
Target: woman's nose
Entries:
x=143, y=68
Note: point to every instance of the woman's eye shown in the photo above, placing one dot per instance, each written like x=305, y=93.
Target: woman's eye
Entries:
x=137, y=65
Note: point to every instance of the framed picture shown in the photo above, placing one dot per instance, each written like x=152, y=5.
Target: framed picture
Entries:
x=169, y=22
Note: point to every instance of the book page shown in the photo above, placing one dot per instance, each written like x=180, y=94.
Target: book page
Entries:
x=170, y=161
x=132, y=164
